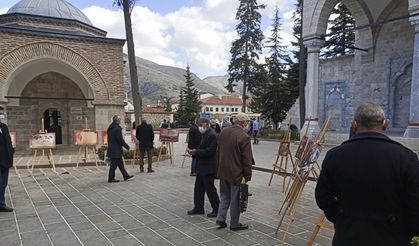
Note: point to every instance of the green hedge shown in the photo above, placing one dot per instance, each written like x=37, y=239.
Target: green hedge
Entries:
x=128, y=154
x=415, y=241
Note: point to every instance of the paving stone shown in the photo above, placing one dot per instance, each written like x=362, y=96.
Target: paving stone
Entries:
x=30, y=224
x=171, y=234
x=35, y=238
x=126, y=241
x=185, y=242
x=116, y=234
x=112, y=226
x=8, y=225
x=148, y=237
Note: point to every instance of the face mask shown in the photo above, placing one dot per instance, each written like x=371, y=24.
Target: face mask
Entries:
x=202, y=130
x=2, y=117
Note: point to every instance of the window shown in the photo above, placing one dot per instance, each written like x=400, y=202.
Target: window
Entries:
x=211, y=109
x=206, y=109
x=216, y=109
x=227, y=109
x=237, y=109
x=222, y=109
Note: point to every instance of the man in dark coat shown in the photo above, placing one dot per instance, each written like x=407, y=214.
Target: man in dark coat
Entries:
x=6, y=162
x=205, y=169
x=115, y=143
x=145, y=136
x=234, y=164
x=194, y=139
x=369, y=186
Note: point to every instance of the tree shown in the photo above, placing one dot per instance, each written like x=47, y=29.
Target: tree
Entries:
x=246, y=49
x=297, y=71
x=191, y=106
x=127, y=6
x=275, y=94
x=340, y=42
x=182, y=117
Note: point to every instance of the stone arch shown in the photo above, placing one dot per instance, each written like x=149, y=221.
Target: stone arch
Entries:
x=317, y=13
x=335, y=105
x=10, y=63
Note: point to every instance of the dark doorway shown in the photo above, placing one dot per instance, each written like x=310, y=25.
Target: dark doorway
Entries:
x=52, y=121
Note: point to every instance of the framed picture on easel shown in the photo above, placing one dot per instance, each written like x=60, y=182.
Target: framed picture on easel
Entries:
x=85, y=137
x=42, y=141
x=134, y=136
x=169, y=135
x=284, y=149
x=105, y=137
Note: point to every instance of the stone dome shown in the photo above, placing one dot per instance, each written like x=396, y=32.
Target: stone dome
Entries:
x=50, y=8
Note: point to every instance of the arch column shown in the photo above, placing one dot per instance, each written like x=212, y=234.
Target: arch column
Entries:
x=313, y=45
x=412, y=130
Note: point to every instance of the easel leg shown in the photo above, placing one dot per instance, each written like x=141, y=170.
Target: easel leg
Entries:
x=159, y=156
x=184, y=157
x=272, y=175
x=172, y=157
x=33, y=161
x=78, y=156
x=51, y=160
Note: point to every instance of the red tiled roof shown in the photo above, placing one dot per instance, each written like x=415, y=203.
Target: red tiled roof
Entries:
x=153, y=110
x=223, y=100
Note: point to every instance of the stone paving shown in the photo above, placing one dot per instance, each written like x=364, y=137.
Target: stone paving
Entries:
x=78, y=207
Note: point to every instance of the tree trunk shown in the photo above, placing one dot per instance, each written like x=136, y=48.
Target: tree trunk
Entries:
x=302, y=74
x=137, y=102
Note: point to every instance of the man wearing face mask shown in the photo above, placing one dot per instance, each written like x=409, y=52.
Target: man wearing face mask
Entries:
x=6, y=162
x=369, y=186
x=115, y=143
x=205, y=156
x=234, y=163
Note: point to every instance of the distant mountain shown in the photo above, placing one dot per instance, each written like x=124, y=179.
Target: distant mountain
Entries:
x=220, y=82
x=158, y=81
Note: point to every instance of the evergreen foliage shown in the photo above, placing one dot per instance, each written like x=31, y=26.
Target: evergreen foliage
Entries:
x=340, y=42
x=246, y=49
x=275, y=94
x=189, y=104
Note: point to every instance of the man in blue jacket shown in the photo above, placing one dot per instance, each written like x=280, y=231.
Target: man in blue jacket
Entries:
x=115, y=143
x=369, y=186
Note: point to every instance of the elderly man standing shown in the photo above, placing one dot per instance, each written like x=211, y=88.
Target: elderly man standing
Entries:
x=369, y=185
x=145, y=137
x=6, y=162
x=234, y=164
x=116, y=142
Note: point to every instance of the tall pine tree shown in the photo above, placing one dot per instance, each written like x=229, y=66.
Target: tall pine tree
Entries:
x=246, y=49
x=340, y=42
x=189, y=95
x=277, y=94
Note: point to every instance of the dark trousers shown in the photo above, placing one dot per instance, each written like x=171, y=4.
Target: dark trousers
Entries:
x=193, y=165
x=255, y=136
x=149, y=157
x=205, y=184
x=117, y=162
x=4, y=178
x=230, y=198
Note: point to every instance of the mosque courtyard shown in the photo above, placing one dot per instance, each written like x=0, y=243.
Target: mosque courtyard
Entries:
x=78, y=207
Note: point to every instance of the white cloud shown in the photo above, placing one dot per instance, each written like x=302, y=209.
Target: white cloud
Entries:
x=198, y=35
x=3, y=11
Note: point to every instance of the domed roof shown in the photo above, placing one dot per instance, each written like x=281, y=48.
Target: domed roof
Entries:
x=49, y=8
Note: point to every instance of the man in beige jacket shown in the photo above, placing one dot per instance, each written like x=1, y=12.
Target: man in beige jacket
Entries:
x=234, y=164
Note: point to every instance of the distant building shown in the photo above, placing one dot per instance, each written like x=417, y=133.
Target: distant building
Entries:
x=221, y=106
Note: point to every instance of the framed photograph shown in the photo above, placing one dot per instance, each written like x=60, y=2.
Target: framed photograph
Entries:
x=85, y=138
x=169, y=135
x=13, y=138
x=284, y=149
x=105, y=137
x=301, y=147
x=134, y=136
x=42, y=141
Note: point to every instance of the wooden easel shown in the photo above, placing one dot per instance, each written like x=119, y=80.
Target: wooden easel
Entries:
x=169, y=152
x=186, y=154
x=48, y=151
x=293, y=196
x=136, y=156
x=84, y=154
x=284, y=153
x=320, y=223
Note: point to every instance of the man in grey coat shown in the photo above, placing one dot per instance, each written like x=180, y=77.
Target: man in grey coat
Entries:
x=234, y=164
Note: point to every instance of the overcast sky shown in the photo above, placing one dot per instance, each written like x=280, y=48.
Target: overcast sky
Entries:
x=177, y=32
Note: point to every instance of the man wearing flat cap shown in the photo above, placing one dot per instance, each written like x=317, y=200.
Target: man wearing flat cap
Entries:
x=234, y=164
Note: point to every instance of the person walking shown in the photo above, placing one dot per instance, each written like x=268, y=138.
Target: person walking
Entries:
x=234, y=164
x=369, y=185
x=194, y=139
x=255, y=129
x=6, y=162
x=205, y=156
x=145, y=137
x=115, y=143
